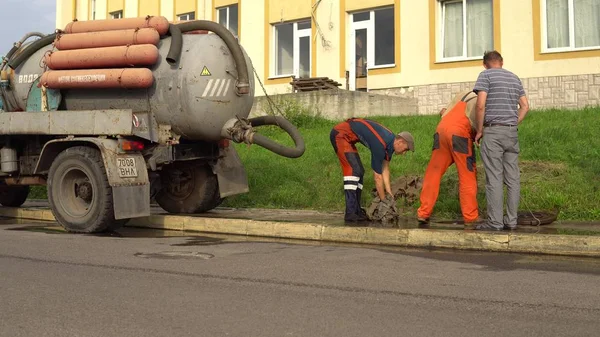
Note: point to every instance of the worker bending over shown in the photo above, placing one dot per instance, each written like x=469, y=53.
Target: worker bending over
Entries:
x=453, y=143
x=383, y=144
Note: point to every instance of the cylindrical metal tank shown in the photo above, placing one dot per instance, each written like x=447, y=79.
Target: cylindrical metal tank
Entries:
x=196, y=96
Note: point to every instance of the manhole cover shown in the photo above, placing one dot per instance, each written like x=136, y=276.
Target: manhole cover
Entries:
x=536, y=218
x=176, y=255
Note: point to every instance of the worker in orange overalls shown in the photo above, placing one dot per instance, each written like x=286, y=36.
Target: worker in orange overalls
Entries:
x=453, y=143
x=383, y=144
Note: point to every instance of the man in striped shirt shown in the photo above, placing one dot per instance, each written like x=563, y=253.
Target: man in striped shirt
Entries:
x=382, y=143
x=499, y=92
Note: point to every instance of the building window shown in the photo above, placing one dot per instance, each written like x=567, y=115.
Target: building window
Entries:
x=467, y=29
x=228, y=17
x=571, y=24
x=292, y=49
x=116, y=15
x=186, y=16
x=374, y=39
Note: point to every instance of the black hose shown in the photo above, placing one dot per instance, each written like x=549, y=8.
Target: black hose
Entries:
x=11, y=52
x=268, y=144
x=17, y=45
x=30, y=50
x=176, y=44
x=231, y=42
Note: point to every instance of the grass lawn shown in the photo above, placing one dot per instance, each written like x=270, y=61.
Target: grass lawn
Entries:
x=559, y=161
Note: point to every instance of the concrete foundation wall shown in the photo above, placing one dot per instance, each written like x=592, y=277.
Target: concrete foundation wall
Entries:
x=566, y=92
x=342, y=104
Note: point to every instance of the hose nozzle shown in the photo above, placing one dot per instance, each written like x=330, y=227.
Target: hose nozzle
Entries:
x=240, y=131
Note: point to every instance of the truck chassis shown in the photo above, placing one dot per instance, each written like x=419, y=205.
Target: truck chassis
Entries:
x=102, y=167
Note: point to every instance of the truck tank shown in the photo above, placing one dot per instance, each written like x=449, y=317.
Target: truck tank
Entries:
x=202, y=84
x=196, y=96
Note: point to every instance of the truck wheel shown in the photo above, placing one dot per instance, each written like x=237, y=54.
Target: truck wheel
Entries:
x=13, y=196
x=188, y=188
x=78, y=191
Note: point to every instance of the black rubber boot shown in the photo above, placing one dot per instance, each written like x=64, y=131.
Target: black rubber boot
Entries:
x=351, y=205
x=362, y=214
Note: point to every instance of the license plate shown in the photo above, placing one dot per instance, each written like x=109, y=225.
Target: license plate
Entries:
x=127, y=167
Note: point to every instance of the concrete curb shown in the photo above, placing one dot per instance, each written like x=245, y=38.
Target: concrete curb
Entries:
x=570, y=245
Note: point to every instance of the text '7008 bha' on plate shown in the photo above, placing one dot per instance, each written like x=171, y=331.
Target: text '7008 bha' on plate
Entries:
x=127, y=167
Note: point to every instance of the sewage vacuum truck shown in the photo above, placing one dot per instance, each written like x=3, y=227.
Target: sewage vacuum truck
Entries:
x=109, y=114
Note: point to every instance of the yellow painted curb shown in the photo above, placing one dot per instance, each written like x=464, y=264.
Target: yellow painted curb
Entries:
x=457, y=239
x=421, y=238
x=555, y=244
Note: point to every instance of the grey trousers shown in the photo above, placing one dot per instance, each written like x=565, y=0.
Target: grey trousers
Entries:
x=500, y=156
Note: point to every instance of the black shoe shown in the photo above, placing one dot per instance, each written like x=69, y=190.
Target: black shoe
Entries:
x=355, y=220
x=487, y=227
x=423, y=222
x=362, y=215
x=510, y=228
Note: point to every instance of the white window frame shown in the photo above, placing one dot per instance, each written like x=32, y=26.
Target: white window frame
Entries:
x=298, y=33
x=544, y=31
x=186, y=16
x=116, y=14
x=369, y=25
x=440, y=38
x=226, y=8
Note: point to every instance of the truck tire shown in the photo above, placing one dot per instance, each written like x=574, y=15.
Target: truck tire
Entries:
x=13, y=196
x=78, y=191
x=188, y=188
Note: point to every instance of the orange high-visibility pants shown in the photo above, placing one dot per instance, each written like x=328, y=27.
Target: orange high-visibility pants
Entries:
x=343, y=140
x=452, y=143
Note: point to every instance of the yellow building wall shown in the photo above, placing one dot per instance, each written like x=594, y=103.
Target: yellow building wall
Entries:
x=328, y=43
x=64, y=13
x=148, y=7
x=222, y=3
x=82, y=11
x=353, y=5
x=519, y=41
x=130, y=9
x=185, y=6
x=167, y=9
x=115, y=5
x=286, y=10
x=101, y=9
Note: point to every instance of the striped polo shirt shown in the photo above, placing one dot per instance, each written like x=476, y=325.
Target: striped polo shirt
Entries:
x=503, y=92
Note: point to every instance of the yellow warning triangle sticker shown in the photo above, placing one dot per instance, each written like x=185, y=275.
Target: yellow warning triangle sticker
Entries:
x=205, y=72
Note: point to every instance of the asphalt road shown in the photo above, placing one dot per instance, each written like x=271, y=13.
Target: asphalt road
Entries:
x=146, y=283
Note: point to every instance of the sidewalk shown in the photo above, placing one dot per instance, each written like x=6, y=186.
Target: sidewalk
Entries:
x=323, y=226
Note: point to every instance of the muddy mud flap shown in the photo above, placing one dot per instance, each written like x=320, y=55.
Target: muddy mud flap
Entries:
x=126, y=173
x=230, y=172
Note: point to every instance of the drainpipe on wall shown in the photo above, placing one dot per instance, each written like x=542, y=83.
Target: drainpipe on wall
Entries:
x=74, y=4
x=93, y=9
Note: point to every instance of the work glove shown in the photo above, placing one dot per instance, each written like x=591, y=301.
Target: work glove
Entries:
x=386, y=208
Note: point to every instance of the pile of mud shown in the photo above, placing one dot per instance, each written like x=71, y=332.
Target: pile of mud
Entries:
x=406, y=188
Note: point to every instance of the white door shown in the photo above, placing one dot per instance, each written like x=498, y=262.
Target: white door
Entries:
x=358, y=55
x=302, y=52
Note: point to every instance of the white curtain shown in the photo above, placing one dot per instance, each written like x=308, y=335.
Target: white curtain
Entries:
x=557, y=18
x=480, y=27
x=304, y=45
x=453, y=29
x=587, y=23
x=284, y=49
